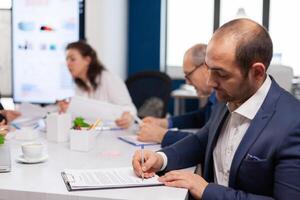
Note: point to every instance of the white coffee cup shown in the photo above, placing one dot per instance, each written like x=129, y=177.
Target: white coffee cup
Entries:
x=32, y=151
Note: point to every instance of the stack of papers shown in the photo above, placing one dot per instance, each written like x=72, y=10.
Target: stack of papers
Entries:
x=105, y=179
x=92, y=109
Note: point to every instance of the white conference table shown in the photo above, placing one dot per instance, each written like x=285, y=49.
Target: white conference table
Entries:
x=43, y=181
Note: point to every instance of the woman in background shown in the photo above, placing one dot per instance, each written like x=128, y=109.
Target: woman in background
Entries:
x=94, y=81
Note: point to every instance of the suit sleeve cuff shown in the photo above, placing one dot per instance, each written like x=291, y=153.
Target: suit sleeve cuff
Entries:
x=170, y=123
x=165, y=160
x=213, y=191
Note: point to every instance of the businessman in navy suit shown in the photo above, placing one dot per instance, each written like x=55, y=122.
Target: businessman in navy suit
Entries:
x=250, y=148
x=159, y=129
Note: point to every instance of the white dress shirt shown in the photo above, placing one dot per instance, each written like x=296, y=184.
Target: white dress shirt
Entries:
x=111, y=89
x=233, y=131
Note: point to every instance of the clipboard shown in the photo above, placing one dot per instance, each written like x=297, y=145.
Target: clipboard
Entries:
x=146, y=183
x=66, y=181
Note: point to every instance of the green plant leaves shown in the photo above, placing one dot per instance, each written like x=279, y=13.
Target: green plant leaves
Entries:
x=2, y=139
x=79, y=123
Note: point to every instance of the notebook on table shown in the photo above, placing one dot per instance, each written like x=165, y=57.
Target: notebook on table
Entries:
x=132, y=139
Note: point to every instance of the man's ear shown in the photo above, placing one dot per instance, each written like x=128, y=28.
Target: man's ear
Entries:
x=258, y=70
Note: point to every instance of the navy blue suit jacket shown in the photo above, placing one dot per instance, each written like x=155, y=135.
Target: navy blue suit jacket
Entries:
x=195, y=119
x=266, y=164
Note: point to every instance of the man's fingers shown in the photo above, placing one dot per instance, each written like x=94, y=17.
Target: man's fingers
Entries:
x=177, y=183
x=4, y=130
x=147, y=119
x=149, y=163
x=2, y=123
x=173, y=175
x=149, y=166
x=148, y=175
x=136, y=163
x=176, y=179
x=140, y=137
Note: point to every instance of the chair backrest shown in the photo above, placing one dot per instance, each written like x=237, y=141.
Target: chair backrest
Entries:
x=283, y=75
x=150, y=90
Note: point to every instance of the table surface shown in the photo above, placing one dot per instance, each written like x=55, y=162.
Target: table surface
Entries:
x=44, y=181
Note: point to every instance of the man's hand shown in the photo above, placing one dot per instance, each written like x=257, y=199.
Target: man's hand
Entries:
x=10, y=115
x=63, y=105
x=3, y=129
x=125, y=120
x=151, y=133
x=152, y=163
x=162, y=122
x=181, y=179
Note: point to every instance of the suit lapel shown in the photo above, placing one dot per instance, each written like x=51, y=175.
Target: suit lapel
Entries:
x=216, y=125
x=263, y=116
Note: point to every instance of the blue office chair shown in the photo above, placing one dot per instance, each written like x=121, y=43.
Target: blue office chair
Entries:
x=150, y=92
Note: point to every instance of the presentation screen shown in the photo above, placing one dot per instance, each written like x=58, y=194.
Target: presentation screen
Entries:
x=41, y=29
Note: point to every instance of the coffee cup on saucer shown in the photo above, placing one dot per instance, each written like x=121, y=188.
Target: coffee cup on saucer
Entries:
x=32, y=151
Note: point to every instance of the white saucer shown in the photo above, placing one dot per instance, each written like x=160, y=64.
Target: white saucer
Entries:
x=21, y=159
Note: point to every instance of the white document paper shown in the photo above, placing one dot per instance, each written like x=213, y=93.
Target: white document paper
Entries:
x=106, y=178
x=94, y=109
x=32, y=111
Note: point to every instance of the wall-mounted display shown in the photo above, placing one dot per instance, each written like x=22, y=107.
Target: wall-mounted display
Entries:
x=41, y=31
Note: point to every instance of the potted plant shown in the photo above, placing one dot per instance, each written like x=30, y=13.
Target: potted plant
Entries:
x=83, y=135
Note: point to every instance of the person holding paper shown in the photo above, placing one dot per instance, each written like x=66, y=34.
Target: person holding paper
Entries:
x=250, y=147
x=94, y=81
x=6, y=116
x=196, y=74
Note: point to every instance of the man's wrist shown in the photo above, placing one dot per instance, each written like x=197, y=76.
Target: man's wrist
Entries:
x=161, y=134
x=164, y=160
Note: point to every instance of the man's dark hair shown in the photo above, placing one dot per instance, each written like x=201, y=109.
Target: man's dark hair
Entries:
x=95, y=68
x=253, y=42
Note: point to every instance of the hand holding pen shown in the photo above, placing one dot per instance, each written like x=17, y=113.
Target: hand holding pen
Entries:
x=148, y=165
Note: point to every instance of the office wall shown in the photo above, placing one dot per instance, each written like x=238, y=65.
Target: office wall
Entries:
x=106, y=31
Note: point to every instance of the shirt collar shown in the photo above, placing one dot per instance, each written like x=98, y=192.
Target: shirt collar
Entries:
x=212, y=98
x=250, y=107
